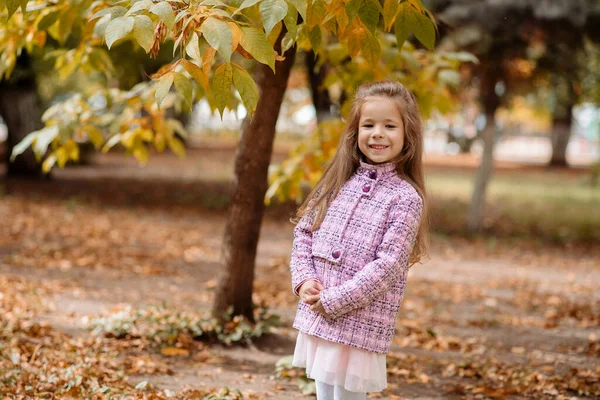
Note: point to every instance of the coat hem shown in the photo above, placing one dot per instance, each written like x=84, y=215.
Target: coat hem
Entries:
x=317, y=334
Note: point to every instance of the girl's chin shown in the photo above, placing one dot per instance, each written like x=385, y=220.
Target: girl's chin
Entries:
x=377, y=160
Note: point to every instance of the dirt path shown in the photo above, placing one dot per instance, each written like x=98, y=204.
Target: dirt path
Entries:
x=475, y=317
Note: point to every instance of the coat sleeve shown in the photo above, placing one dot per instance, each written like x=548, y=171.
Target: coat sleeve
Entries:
x=392, y=258
x=301, y=263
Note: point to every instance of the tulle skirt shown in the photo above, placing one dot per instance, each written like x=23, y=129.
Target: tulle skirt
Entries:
x=354, y=369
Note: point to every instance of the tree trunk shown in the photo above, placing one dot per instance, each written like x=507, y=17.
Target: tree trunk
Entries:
x=560, y=136
x=248, y=191
x=320, y=94
x=484, y=173
x=21, y=111
x=489, y=76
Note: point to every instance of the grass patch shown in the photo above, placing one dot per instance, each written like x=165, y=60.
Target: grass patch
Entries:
x=550, y=206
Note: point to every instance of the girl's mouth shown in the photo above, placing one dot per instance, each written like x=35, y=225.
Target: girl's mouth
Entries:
x=378, y=146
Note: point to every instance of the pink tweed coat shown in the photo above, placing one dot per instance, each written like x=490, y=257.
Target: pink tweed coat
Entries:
x=360, y=254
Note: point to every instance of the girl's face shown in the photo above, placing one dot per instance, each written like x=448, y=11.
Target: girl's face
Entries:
x=380, y=130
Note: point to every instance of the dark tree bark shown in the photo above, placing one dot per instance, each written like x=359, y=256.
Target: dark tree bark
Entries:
x=489, y=76
x=248, y=191
x=21, y=111
x=560, y=136
x=320, y=95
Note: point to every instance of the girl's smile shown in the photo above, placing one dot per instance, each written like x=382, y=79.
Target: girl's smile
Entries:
x=380, y=130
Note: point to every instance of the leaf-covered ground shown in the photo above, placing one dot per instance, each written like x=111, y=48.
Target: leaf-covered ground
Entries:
x=481, y=319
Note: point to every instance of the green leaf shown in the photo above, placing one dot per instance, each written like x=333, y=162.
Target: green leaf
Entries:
x=193, y=48
x=111, y=142
x=390, y=9
x=221, y=86
x=369, y=15
x=352, y=8
x=461, y=56
x=184, y=86
x=291, y=21
x=219, y=36
x=450, y=77
x=404, y=22
x=371, y=49
x=218, y=3
x=178, y=127
x=424, y=30
x=315, y=13
x=247, y=88
x=115, y=12
x=287, y=42
x=162, y=87
x=271, y=12
x=246, y=4
x=164, y=11
x=117, y=29
x=195, y=71
x=12, y=6
x=143, y=32
x=300, y=6
x=47, y=19
x=255, y=42
x=141, y=5
x=43, y=138
x=315, y=37
x=22, y=145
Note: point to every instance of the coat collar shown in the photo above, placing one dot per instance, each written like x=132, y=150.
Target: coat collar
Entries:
x=375, y=170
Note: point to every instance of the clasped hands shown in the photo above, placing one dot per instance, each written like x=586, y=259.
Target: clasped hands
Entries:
x=309, y=293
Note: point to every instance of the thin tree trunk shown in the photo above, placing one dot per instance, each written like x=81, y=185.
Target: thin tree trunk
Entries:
x=484, y=173
x=560, y=136
x=248, y=191
x=320, y=95
x=490, y=74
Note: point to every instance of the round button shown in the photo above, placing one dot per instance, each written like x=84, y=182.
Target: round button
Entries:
x=366, y=188
x=373, y=174
x=336, y=254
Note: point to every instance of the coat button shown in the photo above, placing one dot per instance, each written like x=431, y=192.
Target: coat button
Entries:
x=366, y=188
x=336, y=254
x=373, y=174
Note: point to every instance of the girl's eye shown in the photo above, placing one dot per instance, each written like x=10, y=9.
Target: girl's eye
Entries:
x=390, y=126
x=367, y=126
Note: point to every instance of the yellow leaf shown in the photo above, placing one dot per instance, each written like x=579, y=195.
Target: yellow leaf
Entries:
x=207, y=60
x=48, y=163
x=176, y=146
x=221, y=86
x=61, y=156
x=94, y=135
x=174, y=351
x=236, y=35
x=194, y=71
x=141, y=152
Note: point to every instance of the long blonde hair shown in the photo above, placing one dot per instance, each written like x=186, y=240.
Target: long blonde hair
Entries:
x=409, y=163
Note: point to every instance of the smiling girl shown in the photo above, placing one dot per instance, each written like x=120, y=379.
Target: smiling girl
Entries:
x=358, y=232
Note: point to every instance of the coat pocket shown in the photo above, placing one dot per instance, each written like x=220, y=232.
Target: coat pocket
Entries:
x=334, y=253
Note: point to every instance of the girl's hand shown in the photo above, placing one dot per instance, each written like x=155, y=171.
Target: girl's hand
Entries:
x=309, y=289
x=316, y=304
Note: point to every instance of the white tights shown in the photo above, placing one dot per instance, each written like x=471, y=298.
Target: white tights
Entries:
x=331, y=392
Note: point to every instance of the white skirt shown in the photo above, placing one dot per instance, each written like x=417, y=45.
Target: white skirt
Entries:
x=354, y=369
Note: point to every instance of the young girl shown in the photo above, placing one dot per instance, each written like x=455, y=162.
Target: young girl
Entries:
x=358, y=233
